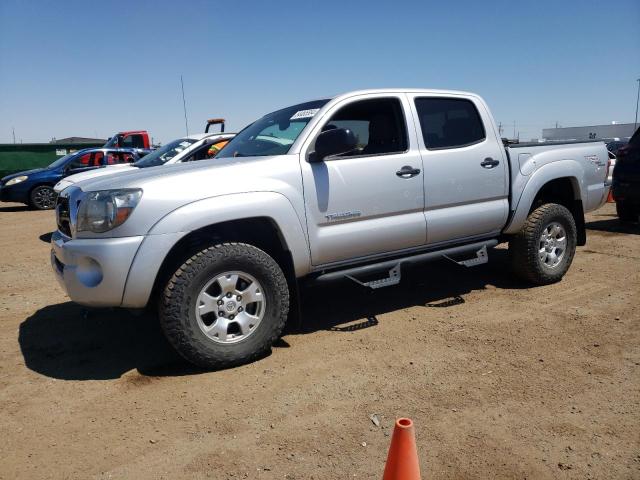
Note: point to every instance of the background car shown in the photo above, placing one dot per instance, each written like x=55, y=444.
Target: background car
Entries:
x=35, y=187
x=187, y=149
x=626, y=180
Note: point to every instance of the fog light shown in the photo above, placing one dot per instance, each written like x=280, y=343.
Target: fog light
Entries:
x=89, y=272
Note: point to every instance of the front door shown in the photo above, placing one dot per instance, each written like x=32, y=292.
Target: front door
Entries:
x=361, y=203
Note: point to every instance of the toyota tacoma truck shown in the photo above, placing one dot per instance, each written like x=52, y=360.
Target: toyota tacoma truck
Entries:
x=353, y=187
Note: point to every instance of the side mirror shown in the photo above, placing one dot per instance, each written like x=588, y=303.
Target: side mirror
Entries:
x=333, y=142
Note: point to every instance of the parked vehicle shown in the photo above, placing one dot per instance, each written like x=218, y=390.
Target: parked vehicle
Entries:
x=626, y=180
x=354, y=187
x=130, y=139
x=214, y=121
x=612, y=166
x=615, y=145
x=137, y=140
x=35, y=187
x=188, y=149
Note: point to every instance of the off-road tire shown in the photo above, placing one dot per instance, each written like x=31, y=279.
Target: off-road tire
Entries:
x=625, y=212
x=524, y=246
x=43, y=197
x=177, y=305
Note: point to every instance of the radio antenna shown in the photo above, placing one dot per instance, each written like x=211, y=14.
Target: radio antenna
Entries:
x=184, y=106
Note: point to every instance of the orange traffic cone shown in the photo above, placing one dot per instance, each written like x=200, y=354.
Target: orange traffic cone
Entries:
x=402, y=461
x=610, y=198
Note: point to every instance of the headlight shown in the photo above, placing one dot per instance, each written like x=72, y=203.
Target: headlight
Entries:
x=106, y=209
x=15, y=180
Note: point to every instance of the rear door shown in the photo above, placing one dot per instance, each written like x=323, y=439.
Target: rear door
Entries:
x=360, y=204
x=465, y=181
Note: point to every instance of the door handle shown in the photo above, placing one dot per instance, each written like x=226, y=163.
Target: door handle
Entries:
x=489, y=163
x=408, y=172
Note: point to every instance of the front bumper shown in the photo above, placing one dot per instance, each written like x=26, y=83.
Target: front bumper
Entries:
x=93, y=272
x=13, y=194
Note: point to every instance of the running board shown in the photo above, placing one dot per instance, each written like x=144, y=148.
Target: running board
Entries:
x=480, y=258
x=392, y=279
x=392, y=268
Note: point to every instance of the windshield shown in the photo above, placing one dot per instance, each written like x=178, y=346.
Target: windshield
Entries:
x=61, y=161
x=113, y=142
x=164, y=154
x=274, y=133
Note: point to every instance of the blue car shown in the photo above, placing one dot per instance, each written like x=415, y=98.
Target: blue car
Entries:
x=35, y=187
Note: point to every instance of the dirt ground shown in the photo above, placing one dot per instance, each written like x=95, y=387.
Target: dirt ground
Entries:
x=501, y=380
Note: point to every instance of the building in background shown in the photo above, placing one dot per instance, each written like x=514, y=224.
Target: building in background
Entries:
x=15, y=157
x=614, y=131
x=80, y=140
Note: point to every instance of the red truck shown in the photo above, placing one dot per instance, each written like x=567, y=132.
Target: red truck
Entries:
x=130, y=139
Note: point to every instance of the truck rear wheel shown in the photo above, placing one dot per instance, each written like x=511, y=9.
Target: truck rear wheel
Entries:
x=542, y=252
x=225, y=306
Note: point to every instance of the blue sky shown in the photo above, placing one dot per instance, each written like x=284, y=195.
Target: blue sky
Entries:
x=90, y=68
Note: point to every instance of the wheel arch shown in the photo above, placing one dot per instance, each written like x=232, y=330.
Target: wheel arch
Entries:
x=558, y=182
x=265, y=220
x=261, y=232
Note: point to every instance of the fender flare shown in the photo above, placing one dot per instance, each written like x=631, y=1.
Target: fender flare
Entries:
x=166, y=233
x=551, y=171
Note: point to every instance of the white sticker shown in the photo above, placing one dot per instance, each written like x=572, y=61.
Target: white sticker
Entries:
x=305, y=113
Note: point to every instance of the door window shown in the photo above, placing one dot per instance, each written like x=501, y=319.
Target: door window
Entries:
x=449, y=122
x=82, y=161
x=378, y=124
x=96, y=159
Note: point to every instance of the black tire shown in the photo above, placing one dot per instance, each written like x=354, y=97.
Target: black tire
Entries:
x=524, y=247
x=43, y=197
x=626, y=213
x=177, y=307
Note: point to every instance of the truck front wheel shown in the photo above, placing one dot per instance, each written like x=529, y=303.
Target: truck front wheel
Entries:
x=225, y=306
x=542, y=252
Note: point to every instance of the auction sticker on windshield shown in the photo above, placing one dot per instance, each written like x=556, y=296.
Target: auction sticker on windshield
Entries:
x=304, y=113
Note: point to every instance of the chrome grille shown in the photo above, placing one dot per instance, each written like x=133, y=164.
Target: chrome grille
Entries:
x=63, y=216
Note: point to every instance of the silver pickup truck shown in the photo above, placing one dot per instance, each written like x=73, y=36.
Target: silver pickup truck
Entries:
x=355, y=186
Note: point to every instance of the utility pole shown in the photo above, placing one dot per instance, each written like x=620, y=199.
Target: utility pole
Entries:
x=500, y=129
x=635, y=124
x=13, y=129
x=184, y=106
x=514, y=129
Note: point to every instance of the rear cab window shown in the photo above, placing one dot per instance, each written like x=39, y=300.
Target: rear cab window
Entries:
x=449, y=122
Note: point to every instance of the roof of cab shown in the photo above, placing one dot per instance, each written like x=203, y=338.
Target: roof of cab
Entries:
x=404, y=90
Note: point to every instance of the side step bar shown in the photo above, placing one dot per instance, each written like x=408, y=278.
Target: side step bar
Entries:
x=393, y=267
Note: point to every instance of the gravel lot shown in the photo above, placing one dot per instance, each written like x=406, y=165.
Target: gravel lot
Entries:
x=501, y=380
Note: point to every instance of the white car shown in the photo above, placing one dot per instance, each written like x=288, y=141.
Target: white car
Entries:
x=187, y=149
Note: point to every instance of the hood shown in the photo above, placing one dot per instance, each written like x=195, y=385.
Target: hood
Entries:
x=168, y=187
x=177, y=174
x=98, y=172
x=26, y=172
